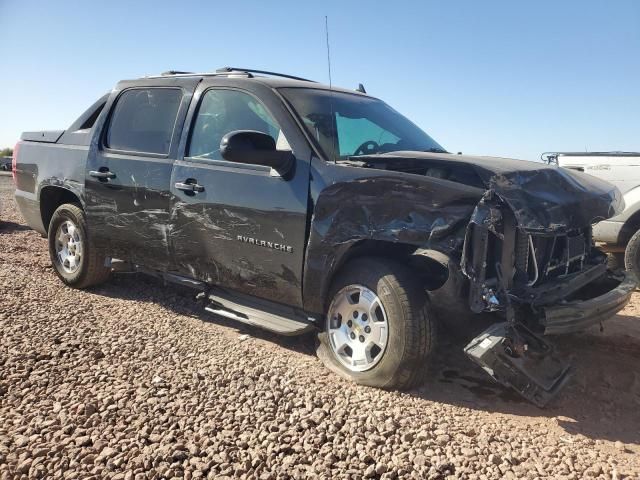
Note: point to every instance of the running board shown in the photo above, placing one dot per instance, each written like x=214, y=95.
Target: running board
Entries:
x=277, y=318
x=513, y=356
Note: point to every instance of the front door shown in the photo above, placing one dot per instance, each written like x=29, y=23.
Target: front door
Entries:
x=243, y=227
x=128, y=173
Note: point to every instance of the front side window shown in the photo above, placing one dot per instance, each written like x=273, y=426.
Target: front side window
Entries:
x=223, y=111
x=350, y=125
x=143, y=120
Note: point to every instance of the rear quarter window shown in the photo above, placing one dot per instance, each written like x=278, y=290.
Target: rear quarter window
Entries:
x=143, y=120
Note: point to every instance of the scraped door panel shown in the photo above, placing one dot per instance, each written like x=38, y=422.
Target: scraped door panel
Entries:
x=128, y=172
x=235, y=225
x=129, y=214
x=245, y=231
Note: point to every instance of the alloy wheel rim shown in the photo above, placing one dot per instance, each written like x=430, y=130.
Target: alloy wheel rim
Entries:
x=357, y=328
x=68, y=244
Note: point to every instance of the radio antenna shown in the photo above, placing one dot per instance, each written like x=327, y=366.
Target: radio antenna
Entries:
x=326, y=30
x=332, y=120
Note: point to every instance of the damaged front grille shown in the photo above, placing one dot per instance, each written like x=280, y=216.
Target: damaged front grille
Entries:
x=505, y=262
x=550, y=257
x=509, y=270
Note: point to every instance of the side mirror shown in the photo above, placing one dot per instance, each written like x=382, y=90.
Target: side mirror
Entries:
x=256, y=148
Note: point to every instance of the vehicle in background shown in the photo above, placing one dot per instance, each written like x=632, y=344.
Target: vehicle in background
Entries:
x=5, y=164
x=620, y=234
x=296, y=206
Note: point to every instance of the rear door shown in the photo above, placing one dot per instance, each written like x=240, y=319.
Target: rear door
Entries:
x=129, y=170
x=246, y=229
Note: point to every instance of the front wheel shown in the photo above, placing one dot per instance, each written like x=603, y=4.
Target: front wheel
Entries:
x=378, y=331
x=77, y=263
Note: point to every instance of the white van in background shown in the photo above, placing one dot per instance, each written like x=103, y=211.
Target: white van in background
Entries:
x=620, y=234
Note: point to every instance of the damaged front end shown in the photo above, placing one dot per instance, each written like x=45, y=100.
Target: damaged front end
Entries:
x=507, y=239
x=541, y=283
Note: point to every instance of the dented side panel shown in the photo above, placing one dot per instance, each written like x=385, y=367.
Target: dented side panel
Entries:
x=129, y=214
x=377, y=205
x=247, y=230
x=47, y=165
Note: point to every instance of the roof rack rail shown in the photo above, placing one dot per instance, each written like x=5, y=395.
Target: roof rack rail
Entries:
x=264, y=72
x=175, y=72
x=226, y=71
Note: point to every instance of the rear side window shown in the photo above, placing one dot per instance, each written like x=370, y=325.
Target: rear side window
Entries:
x=143, y=120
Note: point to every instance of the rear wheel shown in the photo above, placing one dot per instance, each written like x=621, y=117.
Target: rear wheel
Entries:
x=378, y=330
x=75, y=261
x=632, y=254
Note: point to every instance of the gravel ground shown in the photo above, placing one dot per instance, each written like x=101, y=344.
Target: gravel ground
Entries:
x=132, y=380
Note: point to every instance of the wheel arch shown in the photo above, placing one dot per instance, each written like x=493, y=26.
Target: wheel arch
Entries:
x=630, y=226
x=430, y=266
x=51, y=197
x=629, y=219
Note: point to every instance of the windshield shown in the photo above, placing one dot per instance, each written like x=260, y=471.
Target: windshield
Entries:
x=349, y=125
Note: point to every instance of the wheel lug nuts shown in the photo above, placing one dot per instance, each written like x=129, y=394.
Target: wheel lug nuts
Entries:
x=364, y=317
x=352, y=335
x=349, y=324
x=355, y=314
x=367, y=329
x=361, y=338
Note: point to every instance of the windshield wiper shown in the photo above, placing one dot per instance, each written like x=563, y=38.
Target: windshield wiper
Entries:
x=391, y=152
x=434, y=150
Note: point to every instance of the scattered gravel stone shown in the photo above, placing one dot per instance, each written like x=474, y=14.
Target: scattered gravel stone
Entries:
x=468, y=452
x=24, y=466
x=132, y=380
x=407, y=437
x=83, y=441
x=420, y=460
x=620, y=446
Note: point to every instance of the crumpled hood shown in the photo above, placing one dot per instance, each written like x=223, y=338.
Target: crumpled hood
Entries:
x=543, y=197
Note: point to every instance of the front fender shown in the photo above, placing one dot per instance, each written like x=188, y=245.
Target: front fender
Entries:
x=382, y=206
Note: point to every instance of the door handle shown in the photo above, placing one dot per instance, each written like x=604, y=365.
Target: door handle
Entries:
x=102, y=175
x=189, y=187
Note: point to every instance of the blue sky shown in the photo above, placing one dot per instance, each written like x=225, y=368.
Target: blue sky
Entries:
x=504, y=78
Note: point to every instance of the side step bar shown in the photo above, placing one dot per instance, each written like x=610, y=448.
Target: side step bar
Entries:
x=257, y=312
x=277, y=318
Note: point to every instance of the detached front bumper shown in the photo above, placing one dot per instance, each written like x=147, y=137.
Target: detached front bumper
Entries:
x=524, y=361
x=580, y=313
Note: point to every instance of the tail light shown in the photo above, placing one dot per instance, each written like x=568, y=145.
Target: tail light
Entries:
x=14, y=161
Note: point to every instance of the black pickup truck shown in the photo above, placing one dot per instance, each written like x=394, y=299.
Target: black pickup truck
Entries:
x=295, y=206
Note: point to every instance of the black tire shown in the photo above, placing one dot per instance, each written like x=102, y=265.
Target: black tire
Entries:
x=411, y=328
x=632, y=254
x=91, y=269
